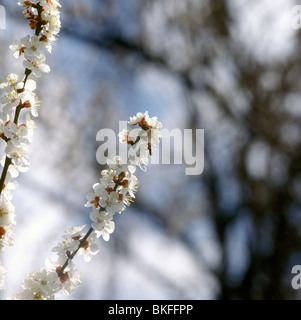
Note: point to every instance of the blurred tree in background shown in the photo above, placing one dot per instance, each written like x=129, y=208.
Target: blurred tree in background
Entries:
x=230, y=67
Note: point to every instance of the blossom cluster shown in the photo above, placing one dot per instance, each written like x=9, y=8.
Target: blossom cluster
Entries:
x=142, y=135
x=114, y=191
x=45, y=283
x=44, y=18
x=16, y=94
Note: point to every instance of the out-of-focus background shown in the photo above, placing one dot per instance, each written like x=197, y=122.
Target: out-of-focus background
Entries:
x=232, y=68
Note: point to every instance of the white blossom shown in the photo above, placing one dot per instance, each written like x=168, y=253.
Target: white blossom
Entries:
x=10, y=96
x=41, y=285
x=3, y=272
x=37, y=65
x=102, y=223
x=7, y=222
x=18, y=135
x=69, y=243
x=18, y=156
x=70, y=278
x=144, y=121
x=89, y=248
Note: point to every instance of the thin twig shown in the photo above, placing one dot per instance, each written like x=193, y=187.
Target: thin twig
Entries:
x=60, y=271
x=27, y=72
